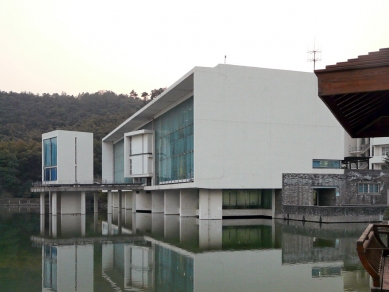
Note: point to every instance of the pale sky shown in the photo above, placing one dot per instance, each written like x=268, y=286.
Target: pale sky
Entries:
x=86, y=46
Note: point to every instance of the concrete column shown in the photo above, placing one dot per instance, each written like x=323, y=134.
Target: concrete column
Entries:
x=83, y=227
x=83, y=207
x=120, y=201
x=120, y=220
x=109, y=219
x=189, y=202
x=54, y=203
x=95, y=202
x=42, y=225
x=273, y=203
x=54, y=226
x=210, y=234
x=127, y=200
x=133, y=203
x=127, y=219
x=210, y=204
x=109, y=202
x=157, y=201
x=143, y=201
x=171, y=202
x=50, y=225
x=50, y=208
x=95, y=222
x=42, y=204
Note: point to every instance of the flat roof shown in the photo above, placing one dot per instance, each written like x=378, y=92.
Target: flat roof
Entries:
x=176, y=91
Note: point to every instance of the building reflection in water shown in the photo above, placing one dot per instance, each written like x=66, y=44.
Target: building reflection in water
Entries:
x=155, y=252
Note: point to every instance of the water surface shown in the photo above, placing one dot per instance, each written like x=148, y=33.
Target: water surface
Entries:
x=156, y=252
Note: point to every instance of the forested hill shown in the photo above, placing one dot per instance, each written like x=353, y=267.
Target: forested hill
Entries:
x=25, y=116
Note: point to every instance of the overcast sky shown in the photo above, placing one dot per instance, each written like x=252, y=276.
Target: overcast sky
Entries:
x=86, y=46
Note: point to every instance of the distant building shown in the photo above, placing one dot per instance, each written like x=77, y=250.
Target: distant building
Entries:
x=217, y=142
x=379, y=150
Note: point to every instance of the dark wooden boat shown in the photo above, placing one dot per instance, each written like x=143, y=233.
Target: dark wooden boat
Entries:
x=373, y=252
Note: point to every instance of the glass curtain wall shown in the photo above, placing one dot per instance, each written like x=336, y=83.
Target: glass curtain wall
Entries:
x=247, y=199
x=174, y=144
x=118, y=163
x=50, y=159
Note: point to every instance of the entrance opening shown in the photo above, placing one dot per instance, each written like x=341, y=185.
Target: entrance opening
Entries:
x=324, y=196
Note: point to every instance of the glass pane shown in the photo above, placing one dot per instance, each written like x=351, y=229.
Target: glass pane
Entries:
x=47, y=152
x=53, y=152
x=53, y=173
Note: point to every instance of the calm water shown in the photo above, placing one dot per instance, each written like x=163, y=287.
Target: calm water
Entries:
x=149, y=252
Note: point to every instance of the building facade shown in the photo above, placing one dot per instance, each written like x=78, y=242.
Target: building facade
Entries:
x=217, y=142
x=67, y=157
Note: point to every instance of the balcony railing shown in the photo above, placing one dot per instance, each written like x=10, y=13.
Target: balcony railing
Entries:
x=361, y=149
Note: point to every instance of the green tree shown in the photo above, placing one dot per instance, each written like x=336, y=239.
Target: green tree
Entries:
x=385, y=165
x=8, y=171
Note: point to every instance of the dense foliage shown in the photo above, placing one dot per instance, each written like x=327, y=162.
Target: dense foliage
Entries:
x=25, y=116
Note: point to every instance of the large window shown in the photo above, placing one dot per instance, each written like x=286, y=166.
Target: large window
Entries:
x=385, y=150
x=118, y=163
x=50, y=159
x=247, y=199
x=174, y=144
x=369, y=188
x=322, y=163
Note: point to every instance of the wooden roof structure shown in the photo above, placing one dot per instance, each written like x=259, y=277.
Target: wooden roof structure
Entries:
x=357, y=93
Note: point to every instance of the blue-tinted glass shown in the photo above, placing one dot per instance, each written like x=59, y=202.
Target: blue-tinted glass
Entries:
x=47, y=174
x=47, y=152
x=174, y=143
x=118, y=152
x=53, y=173
x=53, y=151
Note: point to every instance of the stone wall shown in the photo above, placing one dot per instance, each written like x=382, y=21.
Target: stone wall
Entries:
x=298, y=188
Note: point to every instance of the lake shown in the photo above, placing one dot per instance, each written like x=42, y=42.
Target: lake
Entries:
x=156, y=252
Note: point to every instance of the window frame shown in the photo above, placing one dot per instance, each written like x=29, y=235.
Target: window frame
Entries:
x=369, y=188
x=322, y=163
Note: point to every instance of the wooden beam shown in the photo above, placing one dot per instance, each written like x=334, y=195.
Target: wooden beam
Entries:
x=361, y=80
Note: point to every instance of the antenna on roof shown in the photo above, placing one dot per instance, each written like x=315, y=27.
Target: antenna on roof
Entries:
x=225, y=58
x=316, y=55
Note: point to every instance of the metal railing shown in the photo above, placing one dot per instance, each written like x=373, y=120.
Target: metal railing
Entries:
x=361, y=148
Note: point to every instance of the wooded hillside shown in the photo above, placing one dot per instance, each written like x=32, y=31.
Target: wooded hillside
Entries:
x=25, y=116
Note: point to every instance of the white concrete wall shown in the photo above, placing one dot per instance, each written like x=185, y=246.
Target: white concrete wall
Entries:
x=253, y=124
x=66, y=156
x=107, y=161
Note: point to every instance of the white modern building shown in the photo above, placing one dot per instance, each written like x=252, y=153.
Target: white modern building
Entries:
x=67, y=157
x=217, y=142
x=379, y=148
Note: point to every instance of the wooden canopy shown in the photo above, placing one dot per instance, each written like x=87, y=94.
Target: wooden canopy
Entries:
x=357, y=93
